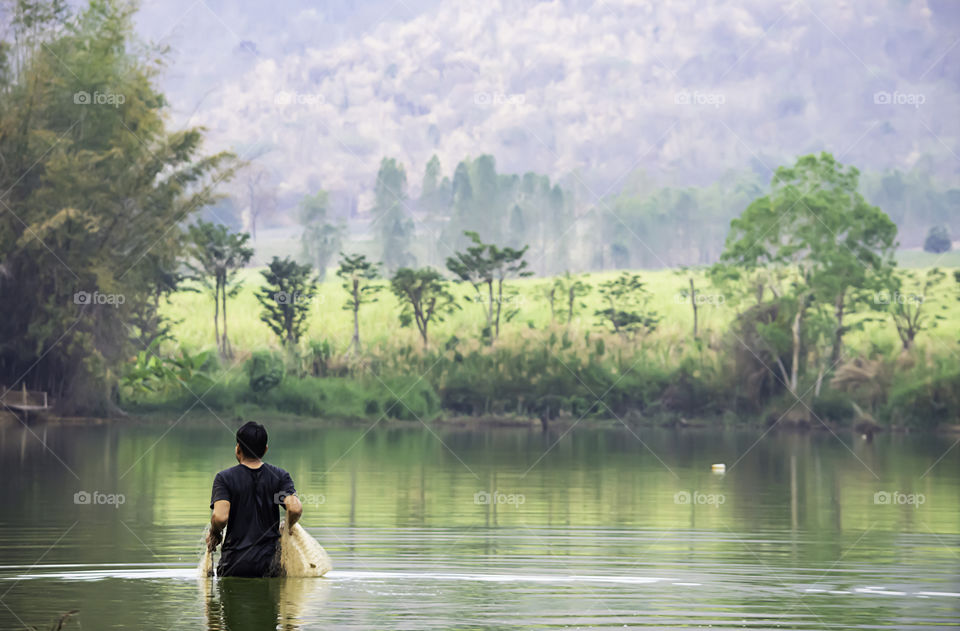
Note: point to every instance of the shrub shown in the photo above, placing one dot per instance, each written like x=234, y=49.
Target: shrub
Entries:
x=264, y=370
x=833, y=405
x=926, y=402
x=938, y=240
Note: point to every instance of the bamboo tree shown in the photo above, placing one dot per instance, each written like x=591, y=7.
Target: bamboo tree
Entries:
x=358, y=275
x=216, y=255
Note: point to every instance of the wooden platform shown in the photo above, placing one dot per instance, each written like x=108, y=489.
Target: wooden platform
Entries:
x=24, y=401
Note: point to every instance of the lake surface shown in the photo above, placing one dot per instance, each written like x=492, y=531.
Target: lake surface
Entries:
x=497, y=529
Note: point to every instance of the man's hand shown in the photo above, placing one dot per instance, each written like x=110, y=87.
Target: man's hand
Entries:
x=293, y=509
x=218, y=521
x=214, y=537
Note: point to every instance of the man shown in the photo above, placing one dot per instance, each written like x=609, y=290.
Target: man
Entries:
x=247, y=497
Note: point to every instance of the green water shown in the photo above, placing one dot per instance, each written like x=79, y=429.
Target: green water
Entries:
x=584, y=530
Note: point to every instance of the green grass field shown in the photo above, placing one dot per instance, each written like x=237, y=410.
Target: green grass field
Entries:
x=380, y=328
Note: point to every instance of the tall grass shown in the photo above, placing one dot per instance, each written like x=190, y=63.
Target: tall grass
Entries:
x=539, y=366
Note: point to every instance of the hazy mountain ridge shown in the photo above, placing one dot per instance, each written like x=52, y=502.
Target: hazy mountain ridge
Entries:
x=683, y=91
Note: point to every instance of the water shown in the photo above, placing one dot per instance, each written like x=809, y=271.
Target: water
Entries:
x=502, y=529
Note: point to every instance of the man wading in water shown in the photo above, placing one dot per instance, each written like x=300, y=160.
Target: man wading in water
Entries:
x=247, y=497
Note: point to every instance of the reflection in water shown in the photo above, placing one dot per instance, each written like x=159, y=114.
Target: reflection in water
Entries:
x=255, y=604
x=600, y=540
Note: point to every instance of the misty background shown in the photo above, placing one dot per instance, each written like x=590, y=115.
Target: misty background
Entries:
x=604, y=134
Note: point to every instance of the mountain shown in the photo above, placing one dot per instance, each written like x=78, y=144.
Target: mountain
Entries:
x=591, y=91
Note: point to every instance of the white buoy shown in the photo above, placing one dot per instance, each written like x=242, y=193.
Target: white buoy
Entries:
x=718, y=468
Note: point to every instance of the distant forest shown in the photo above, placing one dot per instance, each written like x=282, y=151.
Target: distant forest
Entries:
x=644, y=225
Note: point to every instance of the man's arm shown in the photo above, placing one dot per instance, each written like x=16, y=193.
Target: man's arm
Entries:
x=294, y=510
x=218, y=521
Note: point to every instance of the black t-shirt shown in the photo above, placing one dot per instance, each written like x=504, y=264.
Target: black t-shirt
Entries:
x=253, y=527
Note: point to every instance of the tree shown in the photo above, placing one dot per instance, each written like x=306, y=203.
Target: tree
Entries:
x=486, y=266
x=627, y=305
x=92, y=185
x=216, y=254
x=286, y=298
x=910, y=310
x=390, y=216
x=938, y=240
x=549, y=292
x=821, y=244
x=423, y=296
x=431, y=177
x=692, y=294
x=358, y=276
x=320, y=238
x=261, y=194
x=572, y=288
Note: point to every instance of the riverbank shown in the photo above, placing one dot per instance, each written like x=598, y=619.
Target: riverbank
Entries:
x=561, y=424
x=730, y=363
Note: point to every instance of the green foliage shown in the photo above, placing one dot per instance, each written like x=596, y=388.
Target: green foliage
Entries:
x=938, y=240
x=265, y=370
x=486, y=266
x=571, y=289
x=507, y=209
x=91, y=190
x=424, y=297
x=833, y=406
x=318, y=357
x=393, y=223
x=215, y=255
x=913, y=303
x=928, y=401
x=627, y=305
x=151, y=373
x=286, y=298
x=320, y=238
x=410, y=399
x=816, y=242
x=358, y=275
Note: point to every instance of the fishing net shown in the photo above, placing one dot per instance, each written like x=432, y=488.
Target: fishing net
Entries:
x=205, y=568
x=301, y=556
